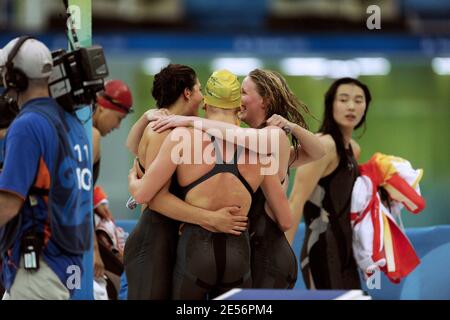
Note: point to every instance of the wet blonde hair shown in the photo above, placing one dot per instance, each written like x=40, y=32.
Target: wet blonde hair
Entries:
x=279, y=98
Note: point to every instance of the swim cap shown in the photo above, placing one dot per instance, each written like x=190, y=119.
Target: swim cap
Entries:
x=223, y=90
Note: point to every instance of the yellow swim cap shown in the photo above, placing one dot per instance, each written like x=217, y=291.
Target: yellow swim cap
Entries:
x=223, y=90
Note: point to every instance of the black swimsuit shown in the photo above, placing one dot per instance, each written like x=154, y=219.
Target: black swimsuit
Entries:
x=274, y=264
x=327, y=257
x=149, y=255
x=210, y=263
x=96, y=170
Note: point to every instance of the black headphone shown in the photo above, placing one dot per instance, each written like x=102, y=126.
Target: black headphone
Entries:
x=14, y=77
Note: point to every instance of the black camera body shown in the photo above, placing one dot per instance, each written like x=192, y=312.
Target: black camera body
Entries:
x=77, y=76
x=8, y=110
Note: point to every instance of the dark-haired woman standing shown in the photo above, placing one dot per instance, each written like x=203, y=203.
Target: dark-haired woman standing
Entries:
x=322, y=191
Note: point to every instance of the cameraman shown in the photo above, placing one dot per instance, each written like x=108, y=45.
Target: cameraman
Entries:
x=45, y=184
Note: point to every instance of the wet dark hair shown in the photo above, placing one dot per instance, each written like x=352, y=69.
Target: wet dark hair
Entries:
x=279, y=98
x=329, y=125
x=170, y=83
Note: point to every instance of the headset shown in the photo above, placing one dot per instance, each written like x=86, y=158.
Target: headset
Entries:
x=14, y=77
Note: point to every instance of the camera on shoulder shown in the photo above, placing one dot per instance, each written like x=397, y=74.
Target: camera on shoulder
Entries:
x=77, y=76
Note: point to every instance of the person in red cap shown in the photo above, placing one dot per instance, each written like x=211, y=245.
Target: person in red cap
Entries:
x=113, y=105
